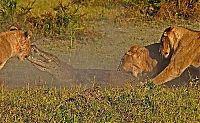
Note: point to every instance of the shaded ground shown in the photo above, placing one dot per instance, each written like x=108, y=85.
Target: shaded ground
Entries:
x=103, y=52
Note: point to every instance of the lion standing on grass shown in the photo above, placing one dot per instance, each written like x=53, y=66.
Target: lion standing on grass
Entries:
x=14, y=43
x=183, y=45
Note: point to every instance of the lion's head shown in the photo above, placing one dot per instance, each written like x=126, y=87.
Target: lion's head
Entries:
x=170, y=39
x=166, y=42
x=23, y=48
x=137, y=60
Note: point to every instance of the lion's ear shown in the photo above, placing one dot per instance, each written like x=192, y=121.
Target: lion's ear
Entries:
x=169, y=29
x=13, y=28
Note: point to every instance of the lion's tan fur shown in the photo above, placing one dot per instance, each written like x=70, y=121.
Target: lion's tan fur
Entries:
x=137, y=60
x=14, y=43
x=184, y=45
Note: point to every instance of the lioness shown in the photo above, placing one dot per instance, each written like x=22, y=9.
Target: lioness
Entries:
x=143, y=59
x=183, y=45
x=127, y=61
x=14, y=43
x=137, y=60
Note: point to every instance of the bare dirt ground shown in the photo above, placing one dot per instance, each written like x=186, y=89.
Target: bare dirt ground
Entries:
x=100, y=53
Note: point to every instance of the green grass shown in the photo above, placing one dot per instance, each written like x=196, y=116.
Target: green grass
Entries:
x=127, y=104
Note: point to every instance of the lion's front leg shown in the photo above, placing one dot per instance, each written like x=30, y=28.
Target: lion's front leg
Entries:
x=168, y=74
x=175, y=68
x=181, y=60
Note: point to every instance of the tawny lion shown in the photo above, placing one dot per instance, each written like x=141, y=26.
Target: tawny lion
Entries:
x=14, y=43
x=137, y=61
x=143, y=61
x=183, y=45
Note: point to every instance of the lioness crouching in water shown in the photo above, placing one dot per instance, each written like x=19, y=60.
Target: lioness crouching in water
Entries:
x=184, y=47
x=14, y=43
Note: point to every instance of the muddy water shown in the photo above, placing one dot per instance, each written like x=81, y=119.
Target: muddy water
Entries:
x=23, y=74
x=20, y=74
